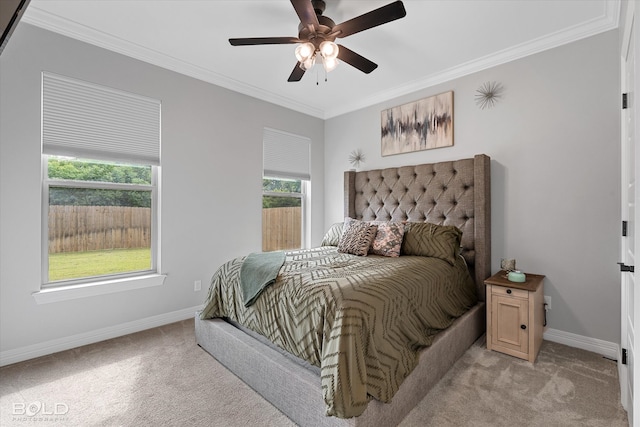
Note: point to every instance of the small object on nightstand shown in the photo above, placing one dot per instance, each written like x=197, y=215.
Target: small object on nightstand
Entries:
x=516, y=276
x=507, y=264
x=515, y=314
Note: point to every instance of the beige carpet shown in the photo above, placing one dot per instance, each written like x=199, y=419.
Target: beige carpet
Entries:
x=160, y=377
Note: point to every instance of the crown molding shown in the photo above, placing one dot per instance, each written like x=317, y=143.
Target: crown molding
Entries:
x=607, y=21
x=65, y=27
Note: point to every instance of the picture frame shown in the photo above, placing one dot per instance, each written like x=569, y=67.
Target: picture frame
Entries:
x=420, y=125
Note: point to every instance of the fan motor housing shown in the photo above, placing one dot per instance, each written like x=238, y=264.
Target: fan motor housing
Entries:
x=320, y=34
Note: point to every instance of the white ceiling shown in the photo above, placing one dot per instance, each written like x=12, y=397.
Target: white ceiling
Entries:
x=437, y=41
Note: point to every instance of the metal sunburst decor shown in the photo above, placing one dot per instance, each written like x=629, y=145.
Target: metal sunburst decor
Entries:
x=488, y=94
x=356, y=157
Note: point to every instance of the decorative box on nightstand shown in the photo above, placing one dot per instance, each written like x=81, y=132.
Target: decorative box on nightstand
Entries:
x=515, y=314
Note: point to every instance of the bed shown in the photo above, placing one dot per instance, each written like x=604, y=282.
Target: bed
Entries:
x=454, y=193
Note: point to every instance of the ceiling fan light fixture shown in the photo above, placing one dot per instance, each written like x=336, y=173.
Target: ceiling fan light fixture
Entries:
x=305, y=51
x=316, y=35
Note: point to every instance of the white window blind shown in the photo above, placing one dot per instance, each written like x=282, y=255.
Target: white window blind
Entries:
x=81, y=119
x=286, y=155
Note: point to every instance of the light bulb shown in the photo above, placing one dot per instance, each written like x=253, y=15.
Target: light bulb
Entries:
x=304, y=51
x=329, y=49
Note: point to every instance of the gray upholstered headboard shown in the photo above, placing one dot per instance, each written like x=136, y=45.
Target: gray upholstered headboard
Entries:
x=449, y=193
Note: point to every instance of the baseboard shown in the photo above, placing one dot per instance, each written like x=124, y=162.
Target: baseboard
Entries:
x=605, y=348
x=53, y=346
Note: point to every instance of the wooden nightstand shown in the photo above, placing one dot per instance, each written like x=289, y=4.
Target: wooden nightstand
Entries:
x=515, y=313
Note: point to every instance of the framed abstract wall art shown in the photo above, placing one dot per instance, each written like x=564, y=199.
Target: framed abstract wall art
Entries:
x=419, y=125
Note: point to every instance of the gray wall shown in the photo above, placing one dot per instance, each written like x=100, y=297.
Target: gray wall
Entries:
x=554, y=140
x=211, y=184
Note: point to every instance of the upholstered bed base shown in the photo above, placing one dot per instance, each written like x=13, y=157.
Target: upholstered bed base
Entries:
x=451, y=193
x=296, y=390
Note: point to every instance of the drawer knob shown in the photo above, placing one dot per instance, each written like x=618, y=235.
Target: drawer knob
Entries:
x=523, y=326
x=509, y=291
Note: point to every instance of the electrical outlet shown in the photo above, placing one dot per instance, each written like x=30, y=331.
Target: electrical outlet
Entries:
x=197, y=285
x=547, y=300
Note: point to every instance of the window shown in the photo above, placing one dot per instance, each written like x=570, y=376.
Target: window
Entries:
x=282, y=213
x=100, y=157
x=285, y=190
x=99, y=218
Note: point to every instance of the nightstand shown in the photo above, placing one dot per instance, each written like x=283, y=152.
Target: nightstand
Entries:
x=515, y=313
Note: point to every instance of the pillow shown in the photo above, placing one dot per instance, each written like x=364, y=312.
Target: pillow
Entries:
x=388, y=240
x=426, y=239
x=357, y=237
x=332, y=237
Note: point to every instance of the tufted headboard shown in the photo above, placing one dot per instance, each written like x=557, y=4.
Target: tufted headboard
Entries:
x=448, y=193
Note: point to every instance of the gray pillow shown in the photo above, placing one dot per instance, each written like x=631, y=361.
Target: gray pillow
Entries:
x=332, y=236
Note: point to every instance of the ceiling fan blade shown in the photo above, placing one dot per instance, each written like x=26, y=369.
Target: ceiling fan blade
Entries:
x=355, y=60
x=305, y=12
x=264, y=40
x=376, y=17
x=296, y=74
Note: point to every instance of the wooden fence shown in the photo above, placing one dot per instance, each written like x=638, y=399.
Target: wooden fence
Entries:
x=90, y=228
x=281, y=228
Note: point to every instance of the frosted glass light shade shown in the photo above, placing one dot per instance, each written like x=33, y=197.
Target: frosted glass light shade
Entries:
x=329, y=49
x=305, y=51
x=308, y=63
x=329, y=64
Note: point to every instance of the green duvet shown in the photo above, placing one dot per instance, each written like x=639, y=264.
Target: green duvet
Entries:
x=362, y=320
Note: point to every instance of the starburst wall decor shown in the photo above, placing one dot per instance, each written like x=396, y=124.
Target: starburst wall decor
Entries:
x=488, y=94
x=356, y=158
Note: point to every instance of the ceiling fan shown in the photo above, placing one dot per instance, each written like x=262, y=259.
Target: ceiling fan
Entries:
x=317, y=35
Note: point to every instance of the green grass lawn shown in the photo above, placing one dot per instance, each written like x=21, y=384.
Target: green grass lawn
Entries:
x=72, y=265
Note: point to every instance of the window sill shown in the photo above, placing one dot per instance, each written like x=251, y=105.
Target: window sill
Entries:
x=65, y=293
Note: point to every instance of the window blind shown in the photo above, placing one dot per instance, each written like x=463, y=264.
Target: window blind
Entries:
x=286, y=155
x=85, y=120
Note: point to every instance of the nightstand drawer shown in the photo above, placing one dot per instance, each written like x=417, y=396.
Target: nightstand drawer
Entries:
x=509, y=292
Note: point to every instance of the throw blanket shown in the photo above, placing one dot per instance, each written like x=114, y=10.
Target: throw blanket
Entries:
x=361, y=320
x=258, y=271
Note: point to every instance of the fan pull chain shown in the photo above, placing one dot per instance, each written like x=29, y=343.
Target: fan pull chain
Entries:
x=318, y=77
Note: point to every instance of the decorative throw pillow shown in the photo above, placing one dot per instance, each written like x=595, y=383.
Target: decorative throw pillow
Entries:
x=388, y=239
x=357, y=237
x=426, y=239
x=332, y=237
